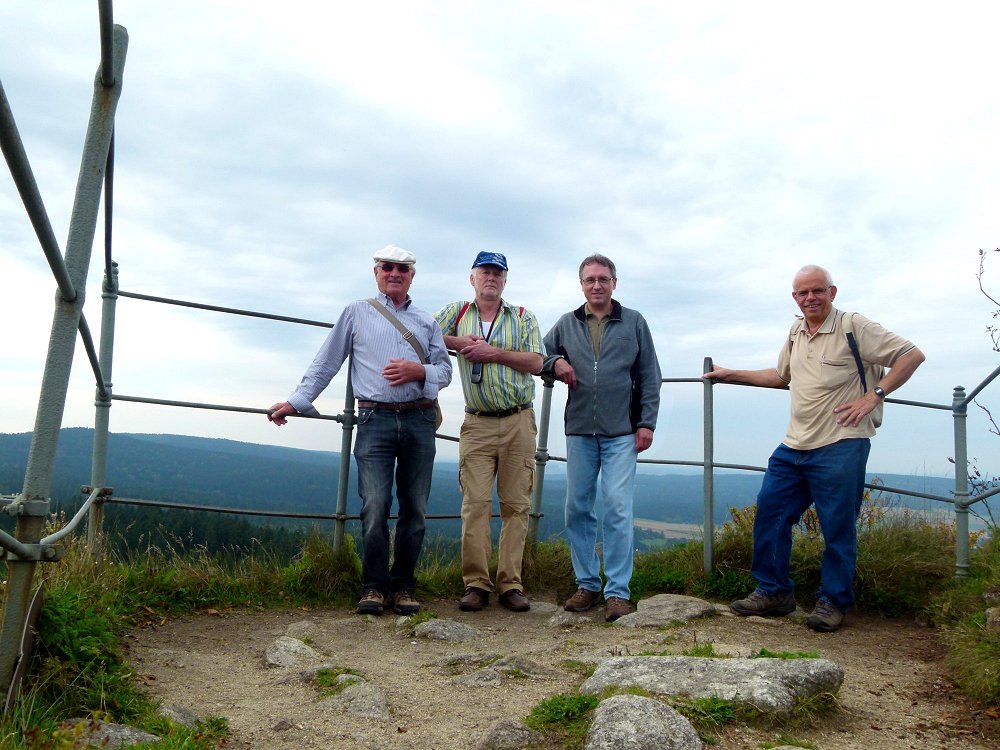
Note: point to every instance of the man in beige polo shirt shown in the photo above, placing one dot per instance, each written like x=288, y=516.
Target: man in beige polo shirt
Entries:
x=823, y=457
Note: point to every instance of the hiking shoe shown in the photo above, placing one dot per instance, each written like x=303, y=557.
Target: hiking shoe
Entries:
x=825, y=618
x=759, y=603
x=372, y=602
x=616, y=607
x=515, y=600
x=473, y=599
x=582, y=600
x=405, y=603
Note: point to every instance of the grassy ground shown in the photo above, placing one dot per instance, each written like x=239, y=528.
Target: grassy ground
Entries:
x=904, y=569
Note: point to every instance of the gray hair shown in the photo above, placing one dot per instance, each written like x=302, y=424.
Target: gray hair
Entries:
x=814, y=269
x=601, y=260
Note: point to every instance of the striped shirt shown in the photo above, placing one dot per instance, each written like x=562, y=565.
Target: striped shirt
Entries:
x=362, y=331
x=515, y=329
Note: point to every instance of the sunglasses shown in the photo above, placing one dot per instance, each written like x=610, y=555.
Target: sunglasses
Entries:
x=401, y=267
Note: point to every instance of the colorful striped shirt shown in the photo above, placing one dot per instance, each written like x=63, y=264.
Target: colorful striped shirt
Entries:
x=515, y=329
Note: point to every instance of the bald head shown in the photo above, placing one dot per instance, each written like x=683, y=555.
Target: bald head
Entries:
x=811, y=271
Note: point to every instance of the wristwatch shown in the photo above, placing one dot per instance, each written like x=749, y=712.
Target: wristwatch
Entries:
x=880, y=392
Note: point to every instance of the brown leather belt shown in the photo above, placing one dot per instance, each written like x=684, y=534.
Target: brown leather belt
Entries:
x=420, y=403
x=501, y=413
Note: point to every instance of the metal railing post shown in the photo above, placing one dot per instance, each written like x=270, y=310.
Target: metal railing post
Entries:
x=541, y=459
x=59, y=359
x=102, y=404
x=960, y=414
x=340, y=526
x=708, y=551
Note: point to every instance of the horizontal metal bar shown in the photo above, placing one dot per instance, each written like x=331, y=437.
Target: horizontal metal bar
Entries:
x=219, y=407
x=68, y=528
x=268, y=513
x=230, y=310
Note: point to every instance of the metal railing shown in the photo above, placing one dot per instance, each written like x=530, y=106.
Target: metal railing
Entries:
x=26, y=546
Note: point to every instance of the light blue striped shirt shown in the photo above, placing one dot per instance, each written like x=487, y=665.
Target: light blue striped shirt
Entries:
x=373, y=340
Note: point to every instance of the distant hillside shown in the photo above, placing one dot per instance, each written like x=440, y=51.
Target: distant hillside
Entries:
x=231, y=474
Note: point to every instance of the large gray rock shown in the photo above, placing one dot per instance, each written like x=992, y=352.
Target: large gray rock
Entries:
x=664, y=609
x=446, y=630
x=508, y=734
x=637, y=723
x=358, y=698
x=771, y=685
x=286, y=651
x=105, y=734
x=564, y=619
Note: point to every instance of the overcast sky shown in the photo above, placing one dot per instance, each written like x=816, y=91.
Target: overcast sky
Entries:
x=264, y=152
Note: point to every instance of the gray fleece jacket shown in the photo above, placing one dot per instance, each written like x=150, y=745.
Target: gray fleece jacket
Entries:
x=618, y=392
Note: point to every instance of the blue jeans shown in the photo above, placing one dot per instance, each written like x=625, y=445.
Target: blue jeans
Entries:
x=832, y=478
x=614, y=459
x=402, y=444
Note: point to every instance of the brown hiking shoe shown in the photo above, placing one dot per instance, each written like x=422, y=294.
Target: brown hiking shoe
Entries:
x=404, y=603
x=617, y=607
x=515, y=600
x=372, y=602
x=582, y=600
x=474, y=599
x=825, y=617
x=761, y=604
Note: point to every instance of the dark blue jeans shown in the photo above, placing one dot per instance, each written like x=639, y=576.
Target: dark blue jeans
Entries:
x=401, y=445
x=832, y=478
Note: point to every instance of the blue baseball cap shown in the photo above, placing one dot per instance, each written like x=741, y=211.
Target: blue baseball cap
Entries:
x=486, y=258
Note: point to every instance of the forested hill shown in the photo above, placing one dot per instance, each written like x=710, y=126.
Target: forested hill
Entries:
x=227, y=473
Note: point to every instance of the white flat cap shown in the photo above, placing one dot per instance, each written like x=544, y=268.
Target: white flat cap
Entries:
x=395, y=254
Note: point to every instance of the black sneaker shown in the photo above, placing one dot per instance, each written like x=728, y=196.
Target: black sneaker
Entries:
x=759, y=603
x=372, y=602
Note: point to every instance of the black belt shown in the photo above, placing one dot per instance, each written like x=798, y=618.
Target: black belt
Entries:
x=501, y=413
x=420, y=403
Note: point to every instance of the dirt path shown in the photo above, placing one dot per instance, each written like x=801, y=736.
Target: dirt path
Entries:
x=893, y=694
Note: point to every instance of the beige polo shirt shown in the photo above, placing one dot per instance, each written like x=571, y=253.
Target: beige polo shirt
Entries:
x=821, y=373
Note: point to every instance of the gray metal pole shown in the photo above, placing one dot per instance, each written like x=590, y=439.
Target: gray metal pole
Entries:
x=708, y=429
x=102, y=416
x=59, y=360
x=541, y=458
x=340, y=526
x=960, y=413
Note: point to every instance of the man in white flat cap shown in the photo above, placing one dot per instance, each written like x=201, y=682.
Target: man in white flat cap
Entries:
x=396, y=380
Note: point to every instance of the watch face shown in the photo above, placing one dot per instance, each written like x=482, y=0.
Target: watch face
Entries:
x=879, y=392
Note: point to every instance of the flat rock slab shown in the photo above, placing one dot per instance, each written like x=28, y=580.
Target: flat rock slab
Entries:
x=665, y=609
x=770, y=685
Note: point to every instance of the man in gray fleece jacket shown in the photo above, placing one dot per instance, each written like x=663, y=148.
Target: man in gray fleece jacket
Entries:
x=604, y=353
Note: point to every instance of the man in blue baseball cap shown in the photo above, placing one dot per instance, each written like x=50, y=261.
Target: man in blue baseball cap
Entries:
x=499, y=346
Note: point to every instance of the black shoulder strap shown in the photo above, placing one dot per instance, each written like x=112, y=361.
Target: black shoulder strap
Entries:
x=847, y=323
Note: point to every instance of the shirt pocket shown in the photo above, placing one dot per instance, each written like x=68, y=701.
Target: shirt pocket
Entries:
x=836, y=373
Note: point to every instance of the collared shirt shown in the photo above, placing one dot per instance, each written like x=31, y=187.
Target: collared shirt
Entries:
x=514, y=329
x=822, y=374
x=363, y=332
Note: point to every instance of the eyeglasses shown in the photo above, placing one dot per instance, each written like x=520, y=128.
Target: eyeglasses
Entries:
x=592, y=280
x=401, y=267
x=804, y=293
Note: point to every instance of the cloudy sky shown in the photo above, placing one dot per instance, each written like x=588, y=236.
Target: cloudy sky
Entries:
x=710, y=149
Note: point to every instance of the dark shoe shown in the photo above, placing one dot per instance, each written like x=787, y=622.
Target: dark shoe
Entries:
x=617, y=607
x=372, y=602
x=404, y=603
x=474, y=599
x=759, y=603
x=582, y=600
x=515, y=600
x=825, y=617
